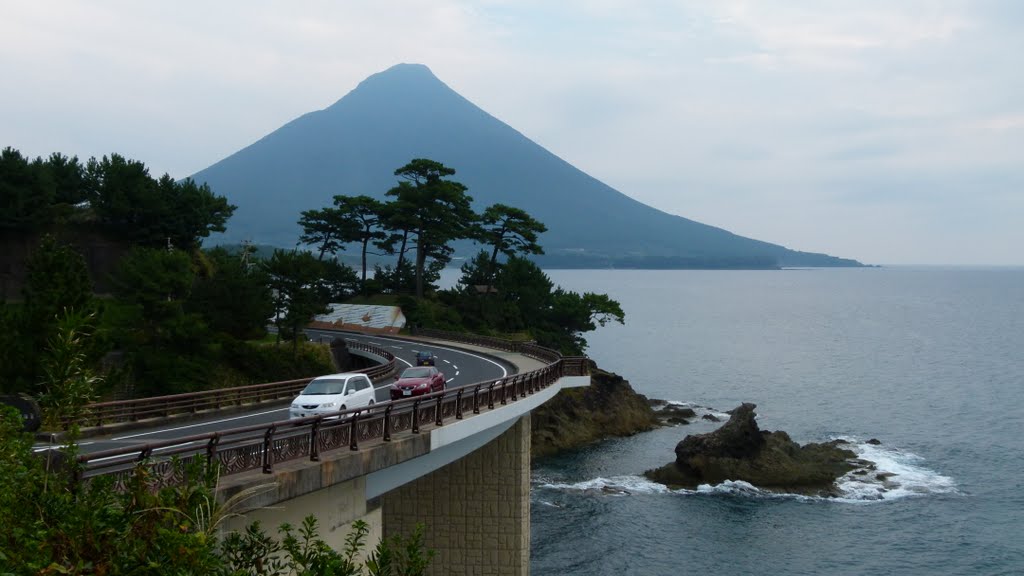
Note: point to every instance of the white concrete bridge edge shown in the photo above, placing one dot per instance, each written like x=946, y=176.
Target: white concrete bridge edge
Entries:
x=457, y=439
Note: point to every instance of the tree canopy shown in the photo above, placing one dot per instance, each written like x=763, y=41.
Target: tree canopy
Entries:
x=438, y=210
x=509, y=231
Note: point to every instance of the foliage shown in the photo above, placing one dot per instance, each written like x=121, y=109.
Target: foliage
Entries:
x=235, y=299
x=397, y=556
x=136, y=208
x=525, y=299
x=68, y=384
x=169, y=349
x=56, y=282
x=271, y=363
x=54, y=525
x=510, y=231
x=326, y=230
x=437, y=211
x=296, y=279
x=364, y=217
x=26, y=193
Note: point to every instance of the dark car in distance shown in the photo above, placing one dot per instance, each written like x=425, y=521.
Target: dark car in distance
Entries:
x=424, y=358
x=417, y=381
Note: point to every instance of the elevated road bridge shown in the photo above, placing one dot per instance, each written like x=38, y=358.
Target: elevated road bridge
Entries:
x=457, y=461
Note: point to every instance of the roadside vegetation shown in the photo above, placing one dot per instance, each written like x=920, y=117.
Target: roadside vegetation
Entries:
x=54, y=524
x=116, y=281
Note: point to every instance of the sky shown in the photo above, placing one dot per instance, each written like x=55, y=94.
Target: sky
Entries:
x=888, y=132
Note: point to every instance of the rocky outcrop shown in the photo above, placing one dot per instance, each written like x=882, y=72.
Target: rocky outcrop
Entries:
x=673, y=414
x=578, y=416
x=739, y=450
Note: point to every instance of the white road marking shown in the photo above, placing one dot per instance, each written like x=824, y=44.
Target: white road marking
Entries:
x=447, y=361
x=207, y=423
x=504, y=372
x=57, y=445
x=456, y=373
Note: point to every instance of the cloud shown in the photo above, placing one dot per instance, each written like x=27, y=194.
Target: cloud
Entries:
x=774, y=119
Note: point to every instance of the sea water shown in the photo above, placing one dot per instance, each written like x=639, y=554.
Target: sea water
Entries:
x=928, y=361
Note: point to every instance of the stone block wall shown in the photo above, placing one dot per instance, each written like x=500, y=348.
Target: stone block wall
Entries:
x=476, y=510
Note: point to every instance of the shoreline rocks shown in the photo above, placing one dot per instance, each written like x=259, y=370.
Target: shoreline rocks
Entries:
x=740, y=450
x=609, y=407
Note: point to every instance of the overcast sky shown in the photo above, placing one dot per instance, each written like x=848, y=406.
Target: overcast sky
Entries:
x=890, y=132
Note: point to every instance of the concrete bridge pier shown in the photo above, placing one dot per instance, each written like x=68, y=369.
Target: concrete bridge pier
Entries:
x=476, y=510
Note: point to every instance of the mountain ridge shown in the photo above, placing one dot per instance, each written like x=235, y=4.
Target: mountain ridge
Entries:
x=354, y=145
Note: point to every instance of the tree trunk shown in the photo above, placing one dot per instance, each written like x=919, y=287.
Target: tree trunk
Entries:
x=494, y=256
x=401, y=260
x=421, y=257
x=362, y=286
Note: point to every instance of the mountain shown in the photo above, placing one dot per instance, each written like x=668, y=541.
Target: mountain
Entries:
x=354, y=146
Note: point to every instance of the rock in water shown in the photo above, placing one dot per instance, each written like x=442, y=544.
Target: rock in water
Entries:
x=739, y=450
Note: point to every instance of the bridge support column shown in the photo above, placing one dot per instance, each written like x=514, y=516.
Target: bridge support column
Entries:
x=476, y=510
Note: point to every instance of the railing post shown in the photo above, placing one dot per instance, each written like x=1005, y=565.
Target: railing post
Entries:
x=353, y=436
x=490, y=395
x=387, y=422
x=268, y=447
x=211, y=447
x=438, y=418
x=416, y=416
x=458, y=404
x=314, y=441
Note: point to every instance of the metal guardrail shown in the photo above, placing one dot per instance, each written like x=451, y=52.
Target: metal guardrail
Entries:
x=260, y=447
x=106, y=413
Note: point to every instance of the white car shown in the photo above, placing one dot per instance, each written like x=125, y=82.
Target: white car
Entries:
x=332, y=393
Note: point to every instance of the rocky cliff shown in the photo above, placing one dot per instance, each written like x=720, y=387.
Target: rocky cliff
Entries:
x=578, y=416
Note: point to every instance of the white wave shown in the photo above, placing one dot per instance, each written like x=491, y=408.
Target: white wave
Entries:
x=699, y=410
x=888, y=474
x=741, y=488
x=614, y=486
x=895, y=474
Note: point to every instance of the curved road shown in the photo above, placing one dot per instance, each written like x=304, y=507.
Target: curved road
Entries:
x=460, y=367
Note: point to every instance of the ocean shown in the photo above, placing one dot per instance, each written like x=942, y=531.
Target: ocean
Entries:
x=929, y=361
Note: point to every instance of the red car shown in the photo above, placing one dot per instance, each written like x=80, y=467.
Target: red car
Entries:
x=417, y=381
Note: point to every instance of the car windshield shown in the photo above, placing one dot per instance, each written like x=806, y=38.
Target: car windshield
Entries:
x=416, y=373
x=324, y=387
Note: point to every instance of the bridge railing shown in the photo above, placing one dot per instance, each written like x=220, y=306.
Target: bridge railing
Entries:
x=261, y=447
x=119, y=411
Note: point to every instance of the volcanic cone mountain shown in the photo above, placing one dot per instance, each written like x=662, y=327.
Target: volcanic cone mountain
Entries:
x=354, y=146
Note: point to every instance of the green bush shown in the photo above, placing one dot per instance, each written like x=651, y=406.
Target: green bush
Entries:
x=55, y=525
x=273, y=362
